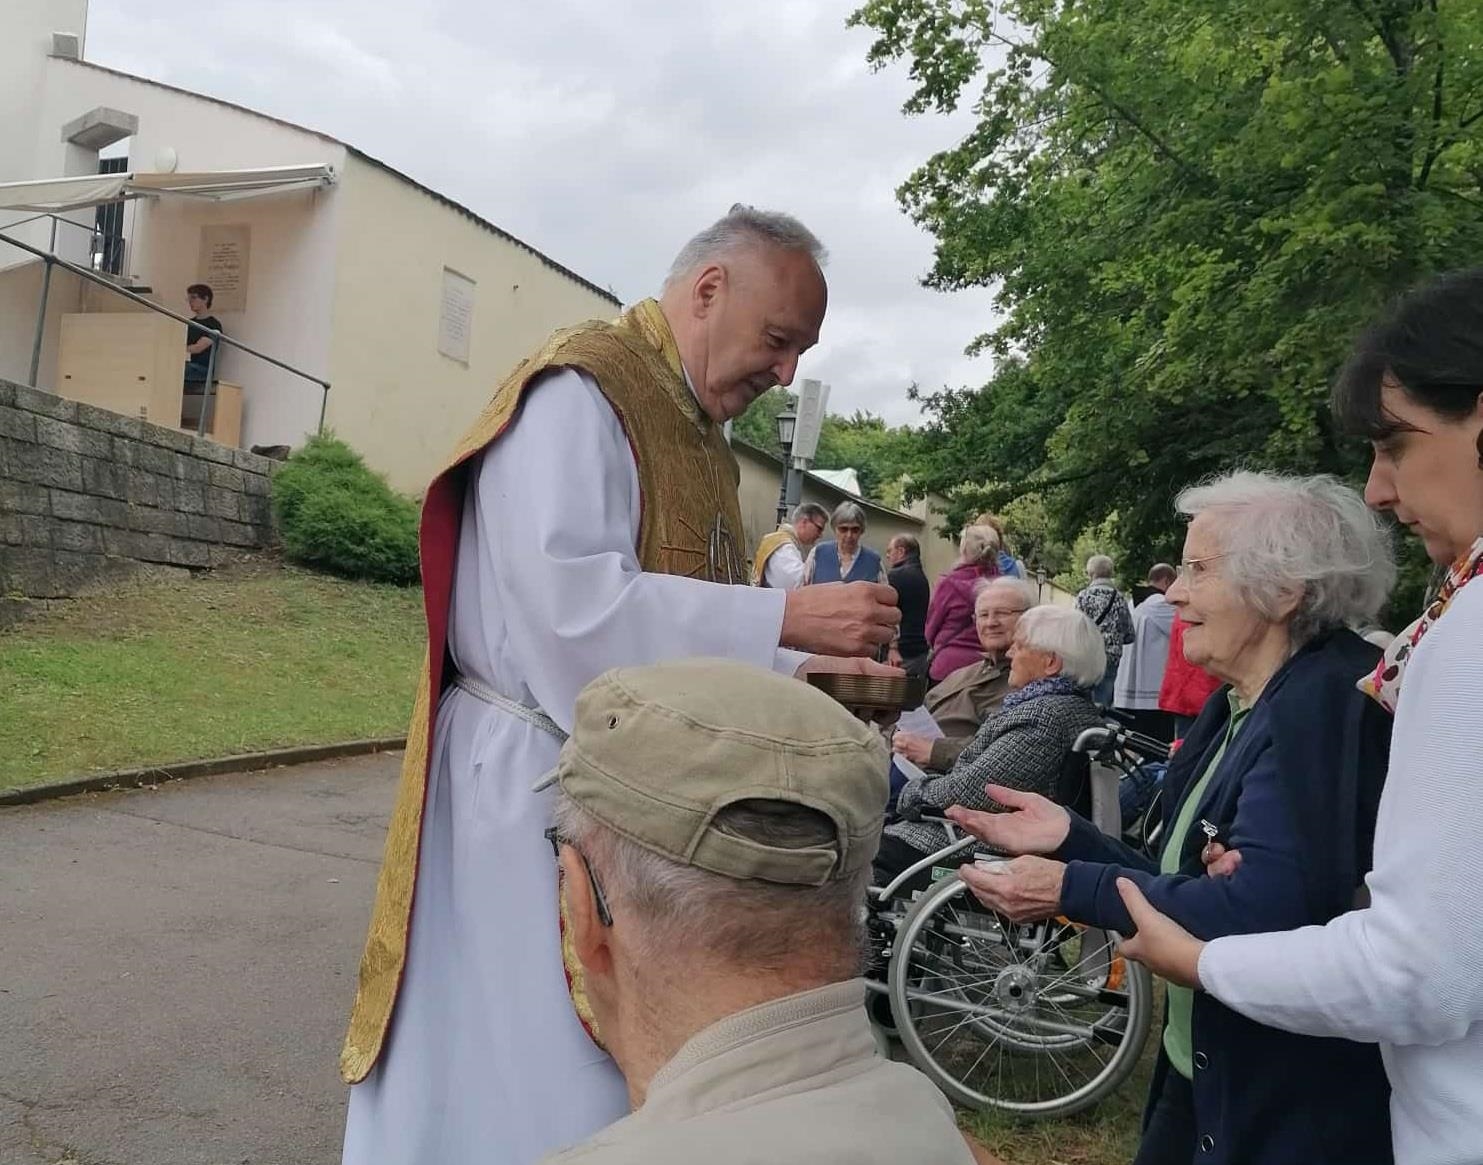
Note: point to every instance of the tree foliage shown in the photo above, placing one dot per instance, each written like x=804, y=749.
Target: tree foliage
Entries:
x=1187, y=209
x=880, y=454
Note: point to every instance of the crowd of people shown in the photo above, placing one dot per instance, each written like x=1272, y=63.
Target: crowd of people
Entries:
x=594, y=682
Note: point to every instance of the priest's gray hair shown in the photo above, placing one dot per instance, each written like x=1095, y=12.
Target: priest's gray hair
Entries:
x=680, y=914
x=1314, y=535
x=745, y=226
x=1070, y=636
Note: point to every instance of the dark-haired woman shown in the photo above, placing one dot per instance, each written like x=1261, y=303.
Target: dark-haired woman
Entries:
x=1406, y=971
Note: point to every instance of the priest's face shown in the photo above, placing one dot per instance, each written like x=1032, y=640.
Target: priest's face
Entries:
x=752, y=314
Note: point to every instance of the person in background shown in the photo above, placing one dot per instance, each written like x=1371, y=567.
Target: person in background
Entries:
x=844, y=559
x=1288, y=760
x=913, y=593
x=779, y=562
x=709, y=816
x=1403, y=969
x=198, y=345
x=1186, y=686
x=1102, y=603
x=950, y=625
x=969, y=696
x=1008, y=563
x=1140, y=675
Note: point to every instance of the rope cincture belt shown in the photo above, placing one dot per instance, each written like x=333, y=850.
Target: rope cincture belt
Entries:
x=532, y=716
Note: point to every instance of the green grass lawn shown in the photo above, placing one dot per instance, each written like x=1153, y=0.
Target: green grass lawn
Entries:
x=251, y=657
x=1107, y=1134
x=1104, y=1135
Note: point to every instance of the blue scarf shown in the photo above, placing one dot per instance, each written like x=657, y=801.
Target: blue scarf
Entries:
x=1050, y=686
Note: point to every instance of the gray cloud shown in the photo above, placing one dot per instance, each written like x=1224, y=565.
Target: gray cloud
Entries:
x=606, y=134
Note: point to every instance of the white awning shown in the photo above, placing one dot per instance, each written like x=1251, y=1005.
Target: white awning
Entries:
x=59, y=194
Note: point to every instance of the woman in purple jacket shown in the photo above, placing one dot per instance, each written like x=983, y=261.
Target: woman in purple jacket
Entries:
x=950, y=628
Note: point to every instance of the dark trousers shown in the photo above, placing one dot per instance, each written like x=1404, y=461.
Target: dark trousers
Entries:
x=1152, y=722
x=893, y=857
x=1169, y=1123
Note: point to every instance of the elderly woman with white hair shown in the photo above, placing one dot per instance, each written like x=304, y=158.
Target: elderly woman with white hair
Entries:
x=1055, y=658
x=1286, y=762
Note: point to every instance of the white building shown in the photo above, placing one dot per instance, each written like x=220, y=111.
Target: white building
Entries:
x=410, y=305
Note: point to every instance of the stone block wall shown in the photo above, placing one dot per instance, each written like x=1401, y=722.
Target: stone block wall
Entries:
x=87, y=495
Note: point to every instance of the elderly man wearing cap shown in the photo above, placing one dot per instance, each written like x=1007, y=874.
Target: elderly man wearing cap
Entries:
x=588, y=520
x=715, y=825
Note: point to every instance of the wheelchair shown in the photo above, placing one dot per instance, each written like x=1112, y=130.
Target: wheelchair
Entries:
x=1037, y=1020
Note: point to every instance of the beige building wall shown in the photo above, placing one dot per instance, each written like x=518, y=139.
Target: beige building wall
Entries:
x=397, y=398
x=20, y=301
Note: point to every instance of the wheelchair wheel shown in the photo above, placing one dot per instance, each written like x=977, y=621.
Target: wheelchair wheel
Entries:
x=1038, y=1020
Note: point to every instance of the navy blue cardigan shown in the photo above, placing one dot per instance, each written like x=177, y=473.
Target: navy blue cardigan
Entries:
x=1296, y=793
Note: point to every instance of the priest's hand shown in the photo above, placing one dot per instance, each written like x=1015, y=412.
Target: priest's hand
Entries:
x=840, y=618
x=852, y=665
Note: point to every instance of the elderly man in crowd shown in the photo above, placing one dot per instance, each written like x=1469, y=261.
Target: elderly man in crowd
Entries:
x=1102, y=603
x=913, y=592
x=844, y=559
x=780, y=556
x=588, y=520
x=1141, y=672
x=715, y=826
x=970, y=695
x=1285, y=764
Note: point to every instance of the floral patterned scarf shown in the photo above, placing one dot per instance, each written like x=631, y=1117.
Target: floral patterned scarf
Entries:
x=1384, y=683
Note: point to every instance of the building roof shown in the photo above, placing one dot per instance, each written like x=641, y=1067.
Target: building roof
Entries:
x=478, y=219
x=824, y=484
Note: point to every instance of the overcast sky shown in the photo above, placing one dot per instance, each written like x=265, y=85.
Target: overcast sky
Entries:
x=606, y=133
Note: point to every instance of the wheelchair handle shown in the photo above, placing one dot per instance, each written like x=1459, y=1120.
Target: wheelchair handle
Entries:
x=919, y=813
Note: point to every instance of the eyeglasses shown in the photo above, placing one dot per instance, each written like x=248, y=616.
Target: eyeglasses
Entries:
x=1192, y=569
x=1001, y=612
x=604, y=915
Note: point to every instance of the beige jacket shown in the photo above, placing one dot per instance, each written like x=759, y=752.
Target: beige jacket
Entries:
x=797, y=1080
x=960, y=703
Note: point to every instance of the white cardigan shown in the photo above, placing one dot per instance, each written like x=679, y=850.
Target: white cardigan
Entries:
x=1407, y=972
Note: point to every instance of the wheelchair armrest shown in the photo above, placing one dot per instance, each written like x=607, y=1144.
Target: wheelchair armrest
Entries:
x=1107, y=814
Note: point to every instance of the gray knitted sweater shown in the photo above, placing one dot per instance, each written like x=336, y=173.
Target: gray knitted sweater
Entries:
x=1021, y=747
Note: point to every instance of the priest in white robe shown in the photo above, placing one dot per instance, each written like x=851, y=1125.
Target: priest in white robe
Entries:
x=543, y=547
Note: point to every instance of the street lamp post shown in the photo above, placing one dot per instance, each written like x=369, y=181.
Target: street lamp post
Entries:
x=787, y=422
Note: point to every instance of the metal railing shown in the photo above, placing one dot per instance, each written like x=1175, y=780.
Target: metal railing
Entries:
x=51, y=260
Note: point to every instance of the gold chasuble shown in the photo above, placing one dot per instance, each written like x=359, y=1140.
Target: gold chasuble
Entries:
x=769, y=546
x=690, y=524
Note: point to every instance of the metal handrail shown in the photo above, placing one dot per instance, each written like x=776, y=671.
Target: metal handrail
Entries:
x=91, y=228
x=51, y=260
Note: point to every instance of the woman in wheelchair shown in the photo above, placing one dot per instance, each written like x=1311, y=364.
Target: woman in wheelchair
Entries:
x=1286, y=763
x=1055, y=659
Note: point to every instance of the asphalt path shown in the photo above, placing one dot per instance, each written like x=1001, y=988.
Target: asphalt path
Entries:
x=176, y=966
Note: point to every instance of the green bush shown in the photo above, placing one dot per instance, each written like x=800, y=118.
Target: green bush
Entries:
x=336, y=515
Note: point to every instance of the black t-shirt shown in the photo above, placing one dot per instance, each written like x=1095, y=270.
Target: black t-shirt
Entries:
x=193, y=333
x=913, y=593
